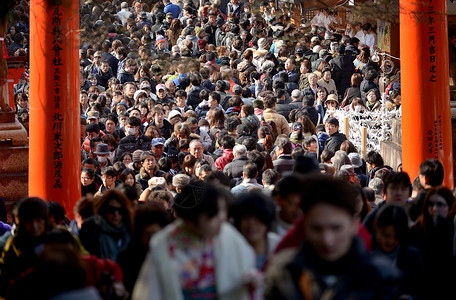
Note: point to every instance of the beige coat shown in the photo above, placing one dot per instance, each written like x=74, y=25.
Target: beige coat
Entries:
x=270, y=114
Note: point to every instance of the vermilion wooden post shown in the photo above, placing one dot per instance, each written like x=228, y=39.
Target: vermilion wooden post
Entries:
x=55, y=158
x=425, y=89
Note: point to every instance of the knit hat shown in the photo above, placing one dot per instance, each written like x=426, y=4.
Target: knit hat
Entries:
x=258, y=104
x=121, y=103
x=157, y=182
x=262, y=43
x=201, y=43
x=198, y=30
x=139, y=93
x=160, y=39
x=137, y=155
x=180, y=180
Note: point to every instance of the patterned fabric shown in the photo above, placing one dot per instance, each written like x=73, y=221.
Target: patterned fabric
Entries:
x=194, y=261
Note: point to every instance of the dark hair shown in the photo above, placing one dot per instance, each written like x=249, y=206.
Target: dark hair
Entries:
x=250, y=170
x=395, y=215
x=57, y=211
x=249, y=142
x=113, y=118
x=231, y=123
x=356, y=79
x=253, y=204
x=133, y=121
x=196, y=199
x=101, y=205
x=348, y=147
x=400, y=178
x=433, y=170
x=373, y=157
x=31, y=208
x=289, y=185
x=124, y=174
x=109, y=171
x=94, y=127
x=333, y=121
x=326, y=155
x=257, y=158
x=89, y=172
x=150, y=213
x=270, y=176
x=425, y=221
x=324, y=189
x=215, y=96
x=84, y=207
x=370, y=75
x=269, y=101
x=227, y=142
x=285, y=144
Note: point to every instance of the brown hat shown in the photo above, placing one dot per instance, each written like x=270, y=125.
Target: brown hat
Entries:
x=332, y=97
x=93, y=115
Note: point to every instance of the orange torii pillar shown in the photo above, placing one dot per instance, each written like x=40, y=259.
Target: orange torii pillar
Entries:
x=425, y=89
x=55, y=157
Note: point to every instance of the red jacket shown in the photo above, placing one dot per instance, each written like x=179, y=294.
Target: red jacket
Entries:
x=223, y=160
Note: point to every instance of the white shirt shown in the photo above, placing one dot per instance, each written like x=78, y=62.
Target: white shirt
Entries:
x=370, y=40
x=123, y=15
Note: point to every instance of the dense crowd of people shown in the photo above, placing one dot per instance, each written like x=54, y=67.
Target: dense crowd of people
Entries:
x=213, y=166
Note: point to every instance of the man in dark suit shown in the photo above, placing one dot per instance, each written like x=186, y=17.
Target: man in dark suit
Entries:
x=284, y=162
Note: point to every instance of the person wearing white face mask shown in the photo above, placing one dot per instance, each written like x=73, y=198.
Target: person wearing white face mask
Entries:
x=102, y=153
x=134, y=139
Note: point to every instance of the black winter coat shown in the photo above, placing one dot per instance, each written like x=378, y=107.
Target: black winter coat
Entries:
x=346, y=67
x=283, y=108
x=130, y=144
x=193, y=98
x=334, y=141
x=365, y=87
x=235, y=167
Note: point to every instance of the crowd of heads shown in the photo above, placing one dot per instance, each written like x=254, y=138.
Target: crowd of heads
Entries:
x=213, y=112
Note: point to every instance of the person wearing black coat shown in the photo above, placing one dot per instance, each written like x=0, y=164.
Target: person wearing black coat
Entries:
x=296, y=99
x=282, y=106
x=309, y=110
x=369, y=82
x=104, y=74
x=345, y=66
x=235, y=167
x=351, y=50
x=106, y=55
x=193, y=98
x=336, y=138
x=134, y=140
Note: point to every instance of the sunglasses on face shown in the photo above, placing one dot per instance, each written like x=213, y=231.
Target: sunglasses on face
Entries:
x=112, y=209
